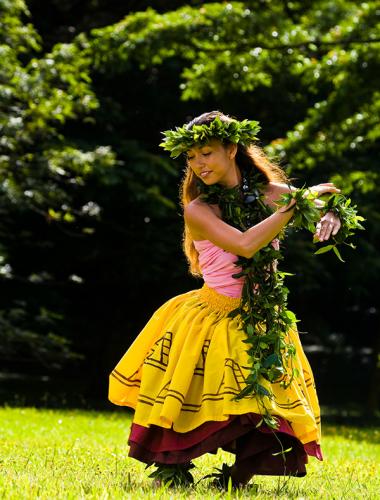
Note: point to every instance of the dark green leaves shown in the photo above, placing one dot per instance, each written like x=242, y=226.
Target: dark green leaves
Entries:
x=263, y=313
x=183, y=138
x=306, y=215
x=263, y=310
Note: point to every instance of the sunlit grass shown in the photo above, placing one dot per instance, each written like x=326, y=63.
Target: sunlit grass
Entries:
x=50, y=454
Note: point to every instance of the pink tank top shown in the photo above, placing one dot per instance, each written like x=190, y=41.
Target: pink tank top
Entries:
x=217, y=267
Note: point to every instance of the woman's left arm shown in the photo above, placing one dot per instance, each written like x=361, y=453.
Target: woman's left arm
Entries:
x=329, y=223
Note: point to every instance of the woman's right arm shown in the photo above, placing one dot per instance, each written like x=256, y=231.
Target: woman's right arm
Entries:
x=201, y=220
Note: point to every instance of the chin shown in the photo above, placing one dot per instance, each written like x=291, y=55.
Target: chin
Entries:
x=210, y=182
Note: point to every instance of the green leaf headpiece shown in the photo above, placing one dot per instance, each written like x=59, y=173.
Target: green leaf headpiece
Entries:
x=182, y=139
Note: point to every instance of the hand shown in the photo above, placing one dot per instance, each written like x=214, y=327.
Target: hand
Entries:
x=324, y=187
x=327, y=226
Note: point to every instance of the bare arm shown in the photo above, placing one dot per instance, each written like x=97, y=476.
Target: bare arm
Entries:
x=329, y=223
x=201, y=220
x=274, y=192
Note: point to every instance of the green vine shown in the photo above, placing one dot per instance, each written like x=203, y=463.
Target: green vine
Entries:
x=263, y=310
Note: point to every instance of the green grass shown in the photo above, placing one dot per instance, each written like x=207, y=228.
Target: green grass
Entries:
x=53, y=454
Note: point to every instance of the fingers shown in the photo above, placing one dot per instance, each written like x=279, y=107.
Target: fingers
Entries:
x=328, y=226
x=325, y=187
x=323, y=231
x=319, y=203
x=336, y=227
x=329, y=188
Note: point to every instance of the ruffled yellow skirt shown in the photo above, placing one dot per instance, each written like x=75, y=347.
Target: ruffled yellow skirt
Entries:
x=190, y=361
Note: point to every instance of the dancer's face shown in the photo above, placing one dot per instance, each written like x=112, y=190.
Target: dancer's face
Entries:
x=215, y=163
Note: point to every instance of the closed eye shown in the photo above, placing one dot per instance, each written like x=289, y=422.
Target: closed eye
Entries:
x=203, y=153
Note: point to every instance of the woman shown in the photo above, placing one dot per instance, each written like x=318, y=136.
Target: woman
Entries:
x=188, y=375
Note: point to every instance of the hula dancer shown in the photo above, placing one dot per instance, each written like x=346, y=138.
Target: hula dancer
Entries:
x=222, y=366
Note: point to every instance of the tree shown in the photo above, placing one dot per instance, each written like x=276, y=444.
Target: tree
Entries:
x=50, y=188
x=306, y=71
x=314, y=66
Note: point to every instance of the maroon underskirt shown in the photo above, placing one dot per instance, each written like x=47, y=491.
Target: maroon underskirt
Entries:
x=238, y=434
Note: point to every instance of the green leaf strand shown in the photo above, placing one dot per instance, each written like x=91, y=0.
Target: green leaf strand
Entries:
x=263, y=311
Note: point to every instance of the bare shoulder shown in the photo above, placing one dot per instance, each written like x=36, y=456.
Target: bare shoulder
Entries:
x=194, y=209
x=197, y=214
x=198, y=208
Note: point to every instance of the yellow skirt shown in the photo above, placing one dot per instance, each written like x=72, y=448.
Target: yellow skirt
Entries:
x=189, y=362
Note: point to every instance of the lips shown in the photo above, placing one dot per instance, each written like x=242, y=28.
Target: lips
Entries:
x=205, y=173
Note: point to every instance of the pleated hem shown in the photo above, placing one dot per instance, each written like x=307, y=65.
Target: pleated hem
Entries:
x=158, y=445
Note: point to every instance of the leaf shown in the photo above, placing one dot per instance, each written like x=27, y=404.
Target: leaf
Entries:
x=250, y=330
x=291, y=316
x=282, y=452
x=273, y=359
x=233, y=314
x=324, y=249
x=337, y=253
x=262, y=391
x=260, y=423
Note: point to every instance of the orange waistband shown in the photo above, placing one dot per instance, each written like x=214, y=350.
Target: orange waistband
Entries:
x=217, y=300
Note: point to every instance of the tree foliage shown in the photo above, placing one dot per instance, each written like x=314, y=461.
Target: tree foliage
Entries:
x=313, y=65
x=81, y=175
x=50, y=179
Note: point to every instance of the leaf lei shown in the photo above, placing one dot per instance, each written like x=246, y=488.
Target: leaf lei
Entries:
x=263, y=310
x=182, y=139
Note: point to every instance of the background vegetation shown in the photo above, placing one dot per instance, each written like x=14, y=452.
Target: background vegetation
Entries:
x=90, y=224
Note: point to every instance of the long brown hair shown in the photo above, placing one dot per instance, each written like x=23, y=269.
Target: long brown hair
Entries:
x=246, y=158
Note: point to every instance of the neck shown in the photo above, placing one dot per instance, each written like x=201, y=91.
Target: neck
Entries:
x=233, y=178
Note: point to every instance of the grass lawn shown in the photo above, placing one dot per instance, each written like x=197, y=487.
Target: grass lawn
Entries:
x=53, y=454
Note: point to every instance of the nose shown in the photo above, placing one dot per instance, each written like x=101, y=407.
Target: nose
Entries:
x=199, y=161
